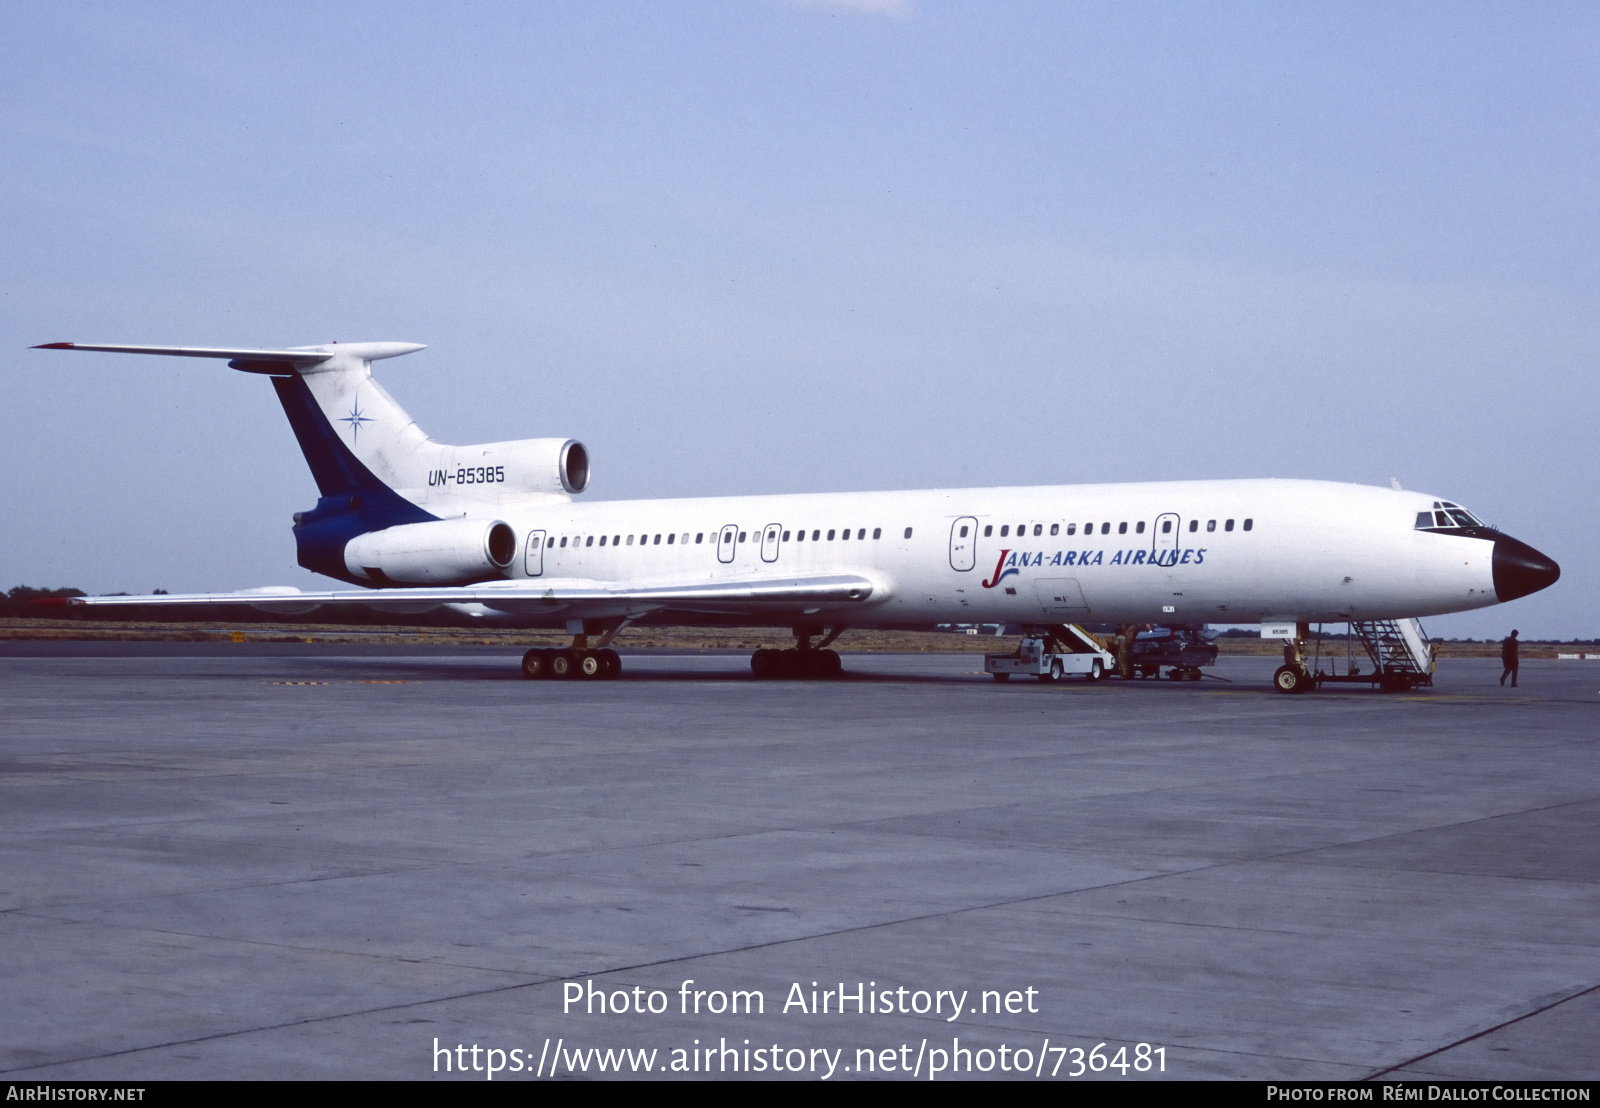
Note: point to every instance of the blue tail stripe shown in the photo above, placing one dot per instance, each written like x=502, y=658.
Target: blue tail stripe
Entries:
x=354, y=500
x=334, y=467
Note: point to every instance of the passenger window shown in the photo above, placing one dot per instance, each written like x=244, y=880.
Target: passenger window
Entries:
x=1072, y=528
x=1006, y=530
x=670, y=538
x=786, y=536
x=831, y=533
x=1228, y=526
x=1211, y=525
x=963, y=530
x=908, y=532
x=844, y=536
x=817, y=534
x=657, y=542
x=1140, y=528
x=1194, y=525
x=1122, y=528
x=1166, y=527
x=602, y=540
x=1105, y=528
x=1038, y=529
x=589, y=541
x=742, y=534
x=799, y=536
x=698, y=537
x=861, y=534
x=1022, y=529
x=630, y=540
x=685, y=540
x=877, y=532
x=988, y=530
x=1055, y=528
x=563, y=541
x=1249, y=523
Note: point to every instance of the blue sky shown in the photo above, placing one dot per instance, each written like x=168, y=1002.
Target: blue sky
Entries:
x=770, y=247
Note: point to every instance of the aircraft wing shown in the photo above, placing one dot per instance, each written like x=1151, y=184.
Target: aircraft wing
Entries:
x=532, y=597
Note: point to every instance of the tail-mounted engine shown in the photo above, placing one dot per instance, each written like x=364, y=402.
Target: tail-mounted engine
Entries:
x=443, y=552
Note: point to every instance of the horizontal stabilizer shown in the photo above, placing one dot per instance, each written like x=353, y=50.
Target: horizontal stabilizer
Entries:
x=292, y=357
x=278, y=362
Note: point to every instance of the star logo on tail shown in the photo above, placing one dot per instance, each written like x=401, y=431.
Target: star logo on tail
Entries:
x=355, y=419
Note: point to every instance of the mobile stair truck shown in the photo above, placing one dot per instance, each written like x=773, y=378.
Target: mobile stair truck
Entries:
x=1401, y=656
x=1051, y=653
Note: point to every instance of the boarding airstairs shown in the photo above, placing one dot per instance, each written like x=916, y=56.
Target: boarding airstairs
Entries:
x=1401, y=655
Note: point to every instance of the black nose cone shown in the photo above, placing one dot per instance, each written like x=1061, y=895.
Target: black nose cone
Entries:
x=1519, y=569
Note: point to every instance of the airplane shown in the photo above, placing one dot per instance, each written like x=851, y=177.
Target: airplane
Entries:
x=495, y=529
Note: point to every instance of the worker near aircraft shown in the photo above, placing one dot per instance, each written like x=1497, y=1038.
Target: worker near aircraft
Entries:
x=1508, y=658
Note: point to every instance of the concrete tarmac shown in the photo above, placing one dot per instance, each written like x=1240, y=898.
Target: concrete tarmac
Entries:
x=299, y=861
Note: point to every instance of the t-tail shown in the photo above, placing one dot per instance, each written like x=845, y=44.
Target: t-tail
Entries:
x=427, y=509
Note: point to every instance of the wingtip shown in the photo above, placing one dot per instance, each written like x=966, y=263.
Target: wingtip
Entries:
x=54, y=346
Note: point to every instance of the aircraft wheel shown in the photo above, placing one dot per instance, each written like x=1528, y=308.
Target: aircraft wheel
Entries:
x=588, y=666
x=765, y=663
x=829, y=664
x=562, y=664
x=1288, y=679
x=610, y=664
x=536, y=664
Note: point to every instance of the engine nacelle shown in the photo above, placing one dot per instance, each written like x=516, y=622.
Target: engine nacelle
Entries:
x=519, y=466
x=440, y=552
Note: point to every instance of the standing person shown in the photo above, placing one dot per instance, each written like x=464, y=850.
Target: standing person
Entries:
x=1508, y=658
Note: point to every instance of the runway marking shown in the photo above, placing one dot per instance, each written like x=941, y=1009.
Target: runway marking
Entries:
x=353, y=682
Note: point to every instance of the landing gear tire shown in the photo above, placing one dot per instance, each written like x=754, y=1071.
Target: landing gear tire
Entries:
x=610, y=664
x=766, y=663
x=587, y=666
x=1288, y=679
x=536, y=664
x=563, y=663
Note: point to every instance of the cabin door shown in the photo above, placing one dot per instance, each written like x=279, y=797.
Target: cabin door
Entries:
x=534, y=560
x=1164, y=543
x=964, y=544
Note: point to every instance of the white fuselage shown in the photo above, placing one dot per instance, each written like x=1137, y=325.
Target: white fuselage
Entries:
x=1313, y=551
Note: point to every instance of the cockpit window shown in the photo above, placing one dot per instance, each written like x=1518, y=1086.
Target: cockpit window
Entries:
x=1446, y=517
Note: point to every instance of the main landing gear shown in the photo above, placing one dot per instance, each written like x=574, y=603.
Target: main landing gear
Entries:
x=804, y=660
x=581, y=665
x=578, y=662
